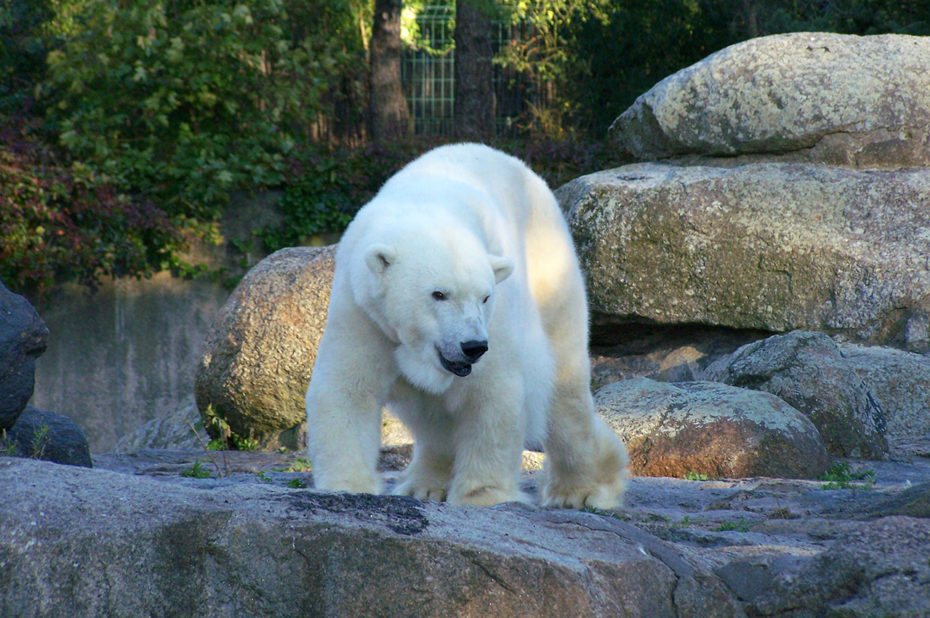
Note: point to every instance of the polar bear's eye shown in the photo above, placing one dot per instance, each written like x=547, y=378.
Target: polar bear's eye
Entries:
x=486, y=298
x=437, y=295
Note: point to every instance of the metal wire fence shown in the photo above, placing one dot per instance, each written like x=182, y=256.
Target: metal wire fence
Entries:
x=428, y=76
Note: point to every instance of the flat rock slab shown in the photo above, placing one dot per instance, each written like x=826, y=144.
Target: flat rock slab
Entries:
x=101, y=542
x=111, y=544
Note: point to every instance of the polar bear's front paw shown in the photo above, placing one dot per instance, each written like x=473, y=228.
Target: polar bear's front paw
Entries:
x=486, y=495
x=356, y=484
x=602, y=497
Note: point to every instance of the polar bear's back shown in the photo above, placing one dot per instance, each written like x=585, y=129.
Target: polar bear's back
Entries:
x=522, y=202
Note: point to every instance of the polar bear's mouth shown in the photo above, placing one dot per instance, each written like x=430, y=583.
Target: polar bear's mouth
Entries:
x=459, y=368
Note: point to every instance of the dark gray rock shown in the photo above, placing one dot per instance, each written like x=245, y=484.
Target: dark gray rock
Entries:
x=879, y=569
x=49, y=436
x=23, y=338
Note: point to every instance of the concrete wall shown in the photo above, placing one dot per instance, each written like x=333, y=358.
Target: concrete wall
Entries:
x=125, y=354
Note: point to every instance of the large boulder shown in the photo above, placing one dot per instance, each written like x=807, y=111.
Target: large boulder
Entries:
x=768, y=246
x=808, y=371
x=710, y=429
x=91, y=542
x=838, y=99
x=23, y=338
x=256, y=363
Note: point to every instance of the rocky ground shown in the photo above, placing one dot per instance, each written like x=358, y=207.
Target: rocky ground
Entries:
x=251, y=537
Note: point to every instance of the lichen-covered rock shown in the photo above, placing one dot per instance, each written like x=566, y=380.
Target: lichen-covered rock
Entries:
x=768, y=246
x=838, y=99
x=257, y=361
x=808, y=371
x=711, y=429
x=23, y=338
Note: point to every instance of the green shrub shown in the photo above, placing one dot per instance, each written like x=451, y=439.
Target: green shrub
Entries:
x=64, y=222
x=183, y=102
x=325, y=188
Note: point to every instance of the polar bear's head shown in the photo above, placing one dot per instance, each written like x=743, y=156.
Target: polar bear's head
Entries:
x=434, y=297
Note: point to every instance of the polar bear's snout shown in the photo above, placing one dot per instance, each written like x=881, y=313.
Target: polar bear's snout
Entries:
x=474, y=349
x=460, y=365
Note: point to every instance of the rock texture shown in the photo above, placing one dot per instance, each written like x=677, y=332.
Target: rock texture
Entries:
x=48, y=436
x=899, y=383
x=256, y=363
x=148, y=541
x=767, y=246
x=710, y=429
x=808, y=371
x=837, y=99
x=23, y=338
x=136, y=546
x=183, y=429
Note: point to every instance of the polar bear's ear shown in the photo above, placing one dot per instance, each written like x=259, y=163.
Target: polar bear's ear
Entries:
x=379, y=257
x=502, y=266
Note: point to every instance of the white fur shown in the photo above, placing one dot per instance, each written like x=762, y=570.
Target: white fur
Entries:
x=464, y=244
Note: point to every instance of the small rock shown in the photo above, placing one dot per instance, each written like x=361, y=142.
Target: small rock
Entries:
x=39, y=434
x=710, y=429
x=175, y=431
x=808, y=371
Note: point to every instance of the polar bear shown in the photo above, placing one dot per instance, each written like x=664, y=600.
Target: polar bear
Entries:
x=458, y=304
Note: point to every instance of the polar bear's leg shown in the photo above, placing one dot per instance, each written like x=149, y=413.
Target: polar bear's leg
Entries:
x=429, y=473
x=488, y=447
x=349, y=386
x=586, y=463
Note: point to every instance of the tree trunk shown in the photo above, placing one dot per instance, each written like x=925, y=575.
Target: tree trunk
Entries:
x=474, y=95
x=389, y=118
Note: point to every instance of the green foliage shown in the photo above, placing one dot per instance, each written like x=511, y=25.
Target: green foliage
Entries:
x=24, y=42
x=186, y=101
x=695, y=476
x=301, y=464
x=842, y=476
x=196, y=471
x=63, y=221
x=222, y=436
x=738, y=525
x=325, y=188
x=296, y=483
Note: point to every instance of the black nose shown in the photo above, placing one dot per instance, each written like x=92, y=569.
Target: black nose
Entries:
x=474, y=349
